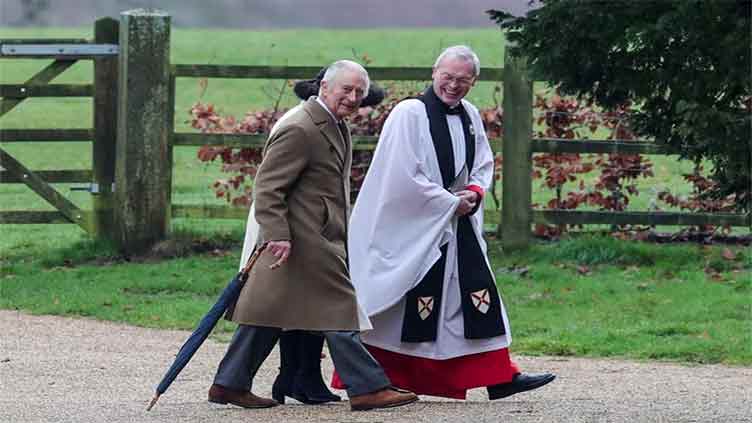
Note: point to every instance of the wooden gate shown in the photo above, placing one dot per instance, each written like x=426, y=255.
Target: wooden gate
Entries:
x=103, y=50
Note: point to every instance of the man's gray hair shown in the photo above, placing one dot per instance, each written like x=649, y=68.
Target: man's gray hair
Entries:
x=460, y=52
x=333, y=71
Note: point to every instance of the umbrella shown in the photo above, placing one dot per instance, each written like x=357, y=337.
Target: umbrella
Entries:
x=205, y=326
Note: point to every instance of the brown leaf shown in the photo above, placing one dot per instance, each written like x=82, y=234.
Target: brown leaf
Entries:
x=728, y=254
x=583, y=270
x=716, y=277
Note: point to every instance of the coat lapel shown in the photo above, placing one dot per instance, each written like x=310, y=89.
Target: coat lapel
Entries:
x=348, y=162
x=324, y=121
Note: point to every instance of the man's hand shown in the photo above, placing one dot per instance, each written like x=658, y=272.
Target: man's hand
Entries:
x=280, y=249
x=467, y=202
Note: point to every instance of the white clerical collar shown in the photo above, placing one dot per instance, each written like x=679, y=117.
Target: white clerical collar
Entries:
x=318, y=100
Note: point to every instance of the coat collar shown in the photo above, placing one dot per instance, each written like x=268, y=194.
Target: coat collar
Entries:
x=325, y=122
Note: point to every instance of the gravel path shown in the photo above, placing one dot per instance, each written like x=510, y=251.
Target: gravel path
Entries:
x=55, y=369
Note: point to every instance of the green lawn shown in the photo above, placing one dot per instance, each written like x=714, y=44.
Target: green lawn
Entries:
x=587, y=296
x=288, y=47
x=603, y=297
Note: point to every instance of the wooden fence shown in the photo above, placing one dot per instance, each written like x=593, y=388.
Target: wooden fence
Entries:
x=517, y=214
x=133, y=134
x=257, y=141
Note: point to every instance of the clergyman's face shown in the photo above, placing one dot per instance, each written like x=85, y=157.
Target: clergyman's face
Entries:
x=452, y=80
x=344, y=93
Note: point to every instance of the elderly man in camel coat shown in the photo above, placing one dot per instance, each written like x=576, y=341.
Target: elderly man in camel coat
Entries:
x=301, y=281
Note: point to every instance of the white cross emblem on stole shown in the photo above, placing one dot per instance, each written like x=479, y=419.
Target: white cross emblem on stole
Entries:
x=481, y=300
x=425, y=307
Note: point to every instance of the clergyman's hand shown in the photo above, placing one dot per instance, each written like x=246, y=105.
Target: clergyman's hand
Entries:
x=467, y=202
x=279, y=249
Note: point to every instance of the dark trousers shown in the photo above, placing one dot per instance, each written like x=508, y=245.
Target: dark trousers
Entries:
x=251, y=345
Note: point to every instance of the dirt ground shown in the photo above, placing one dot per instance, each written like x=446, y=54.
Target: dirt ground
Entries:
x=55, y=369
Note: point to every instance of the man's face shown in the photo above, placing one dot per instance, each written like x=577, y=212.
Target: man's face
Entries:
x=452, y=80
x=345, y=92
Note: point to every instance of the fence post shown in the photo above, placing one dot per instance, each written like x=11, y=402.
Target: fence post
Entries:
x=143, y=179
x=105, y=129
x=516, y=173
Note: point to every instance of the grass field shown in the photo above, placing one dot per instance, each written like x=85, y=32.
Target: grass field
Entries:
x=587, y=296
x=290, y=47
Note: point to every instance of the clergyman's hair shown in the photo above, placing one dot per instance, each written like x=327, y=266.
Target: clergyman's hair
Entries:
x=460, y=52
x=333, y=71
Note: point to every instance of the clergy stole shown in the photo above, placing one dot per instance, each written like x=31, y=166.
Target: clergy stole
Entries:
x=481, y=306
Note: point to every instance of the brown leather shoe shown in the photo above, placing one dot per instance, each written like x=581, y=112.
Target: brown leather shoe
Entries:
x=385, y=398
x=221, y=395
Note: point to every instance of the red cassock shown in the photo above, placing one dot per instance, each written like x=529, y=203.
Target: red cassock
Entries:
x=443, y=378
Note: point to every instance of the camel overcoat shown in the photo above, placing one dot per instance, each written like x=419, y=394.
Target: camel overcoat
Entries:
x=302, y=194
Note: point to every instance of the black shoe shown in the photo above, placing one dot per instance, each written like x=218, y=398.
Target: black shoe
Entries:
x=309, y=386
x=280, y=388
x=311, y=389
x=288, y=359
x=520, y=383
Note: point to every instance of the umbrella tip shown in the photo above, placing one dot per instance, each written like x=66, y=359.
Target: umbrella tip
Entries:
x=153, y=401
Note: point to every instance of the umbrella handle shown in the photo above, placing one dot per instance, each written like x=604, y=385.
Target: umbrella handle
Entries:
x=153, y=401
x=253, y=258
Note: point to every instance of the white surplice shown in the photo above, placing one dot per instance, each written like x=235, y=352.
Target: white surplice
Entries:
x=401, y=218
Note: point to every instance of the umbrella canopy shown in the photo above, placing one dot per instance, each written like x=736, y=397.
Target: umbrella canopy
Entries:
x=205, y=326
